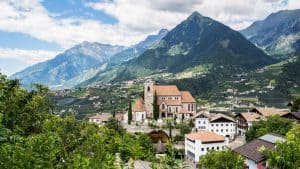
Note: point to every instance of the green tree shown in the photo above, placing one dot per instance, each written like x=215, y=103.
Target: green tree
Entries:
x=155, y=108
x=286, y=154
x=225, y=159
x=273, y=124
x=129, y=113
x=296, y=105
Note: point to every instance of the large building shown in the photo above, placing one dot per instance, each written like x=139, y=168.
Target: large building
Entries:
x=171, y=101
x=199, y=143
x=217, y=123
x=245, y=121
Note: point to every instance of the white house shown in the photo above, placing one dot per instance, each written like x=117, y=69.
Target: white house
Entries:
x=199, y=143
x=217, y=123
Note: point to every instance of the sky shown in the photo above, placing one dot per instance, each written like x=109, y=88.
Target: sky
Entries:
x=33, y=31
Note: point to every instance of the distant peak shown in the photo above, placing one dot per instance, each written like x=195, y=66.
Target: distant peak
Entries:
x=195, y=14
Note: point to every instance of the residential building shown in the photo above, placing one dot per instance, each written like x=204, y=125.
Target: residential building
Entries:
x=217, y=123
x=245, y=121
x=102, y=118
x=199, y=143
x=254, y=159
x=171, y=101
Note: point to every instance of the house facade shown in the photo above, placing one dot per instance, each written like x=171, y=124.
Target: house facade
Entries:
x=103, y=118
x=171, y=101
x=199, y=143
x=216, y=122
x=245, y=121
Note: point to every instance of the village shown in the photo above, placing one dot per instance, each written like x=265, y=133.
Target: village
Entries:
x=163, y=112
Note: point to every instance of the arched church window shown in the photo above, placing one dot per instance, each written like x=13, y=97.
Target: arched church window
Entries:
x=148, y=89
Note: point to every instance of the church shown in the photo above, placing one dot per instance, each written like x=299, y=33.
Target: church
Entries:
x=171, y=101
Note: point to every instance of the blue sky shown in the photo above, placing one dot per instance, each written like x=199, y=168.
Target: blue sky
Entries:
x=33, y=31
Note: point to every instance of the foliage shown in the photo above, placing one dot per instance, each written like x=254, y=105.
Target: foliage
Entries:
x=129, y=113
x=273, y=124
x=155, y=108
x=296, y=105
x=286, y=155
x=31, y=137
x=225, y=159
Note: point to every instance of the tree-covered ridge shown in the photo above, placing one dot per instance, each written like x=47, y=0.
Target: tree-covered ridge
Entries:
x=32, y=137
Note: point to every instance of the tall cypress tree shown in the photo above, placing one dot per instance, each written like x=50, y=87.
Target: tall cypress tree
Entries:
x=129, y=112
x=155, y=108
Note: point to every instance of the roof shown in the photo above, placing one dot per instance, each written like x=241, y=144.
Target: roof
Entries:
x=166, y=90
x=206, y=136
x=270, y=111
x=170, y=102
x=214, y=116
x=296, y=115
x=272, y=138
x=186, y=97
x=219, y=116
x=251, y=117
x=251, y=150
x=139, y=106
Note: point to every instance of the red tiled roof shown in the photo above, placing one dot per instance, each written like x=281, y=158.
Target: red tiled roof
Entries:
x=205, y=136
x=270, y=111
x=139, y=106
x=186, y=97
x=166, y=90
x=170, y=102
x=251, y=117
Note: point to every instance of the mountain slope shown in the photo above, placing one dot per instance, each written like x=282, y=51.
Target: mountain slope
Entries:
x=67, y=65
x=138, y=48
x=196, y=41
x=278, y=34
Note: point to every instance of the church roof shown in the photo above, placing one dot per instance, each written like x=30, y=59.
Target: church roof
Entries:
x=139, y=106
x=166, y=90
x=170, y=102
x=186, y=97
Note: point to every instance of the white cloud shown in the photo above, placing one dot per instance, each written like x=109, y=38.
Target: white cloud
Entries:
x=136, y=18
x=28, y=56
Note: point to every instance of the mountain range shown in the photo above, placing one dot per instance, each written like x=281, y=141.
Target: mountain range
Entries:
x=278, y=34
x=198, y=41
x=81, y=62
x=197, y=46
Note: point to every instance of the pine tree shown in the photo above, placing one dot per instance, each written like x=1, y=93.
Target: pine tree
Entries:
x=155, y=108
x=129, y=113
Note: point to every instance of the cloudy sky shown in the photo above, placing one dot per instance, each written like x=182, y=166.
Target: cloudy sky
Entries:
x=32, y=31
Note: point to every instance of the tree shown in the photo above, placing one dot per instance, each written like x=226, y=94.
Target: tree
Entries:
x=155, y=108
x=286, y=154
x=296, y=105
x=129, y=113
x=225, y=159
x=273, y=124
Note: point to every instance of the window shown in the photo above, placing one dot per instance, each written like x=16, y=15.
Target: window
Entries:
x=207, y=148
x=176, y=109
x=163, y=106
x=218, y=148
x=148, y=89
x=226, y=130
x=212, y=125
x=222, y=124
x=212, y=130
x=226, y=124
x=192, y=107
x=222, y=130
x=202, y=149
x=189, y=107
x=217, y=130
x=217, y=125
x=199, y=122
x=213, y=148
x=204, y=122
x=169, y=109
